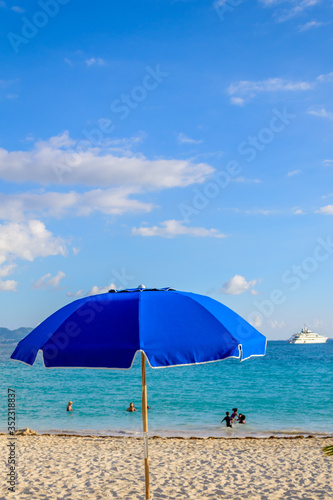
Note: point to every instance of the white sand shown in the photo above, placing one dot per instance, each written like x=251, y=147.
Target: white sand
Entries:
x=80, y=468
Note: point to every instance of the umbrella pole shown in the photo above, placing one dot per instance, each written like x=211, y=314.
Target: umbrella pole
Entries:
x=145, y=422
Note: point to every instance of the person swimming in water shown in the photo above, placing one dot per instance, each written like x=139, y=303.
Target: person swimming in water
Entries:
x=69, y=406
x=227, y=420
x=131, y=407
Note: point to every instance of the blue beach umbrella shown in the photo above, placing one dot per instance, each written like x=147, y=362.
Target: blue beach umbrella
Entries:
x=168, y=327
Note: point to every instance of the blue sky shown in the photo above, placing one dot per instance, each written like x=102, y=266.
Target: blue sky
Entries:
x=170, y=143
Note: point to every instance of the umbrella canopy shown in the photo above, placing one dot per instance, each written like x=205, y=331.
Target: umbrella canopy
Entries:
x=169, y=326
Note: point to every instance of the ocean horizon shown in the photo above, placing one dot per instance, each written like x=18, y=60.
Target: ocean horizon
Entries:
x=285, y=393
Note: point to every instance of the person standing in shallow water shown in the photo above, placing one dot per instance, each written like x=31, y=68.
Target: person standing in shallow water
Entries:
x=241, y=418
x=131, y=407
x=227, y=420
x=234, y=414
x=69, y=406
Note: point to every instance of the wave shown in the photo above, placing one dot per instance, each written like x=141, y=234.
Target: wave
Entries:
x=170, y=434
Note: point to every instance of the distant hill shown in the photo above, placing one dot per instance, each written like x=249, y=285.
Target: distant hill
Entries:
x=11, y=336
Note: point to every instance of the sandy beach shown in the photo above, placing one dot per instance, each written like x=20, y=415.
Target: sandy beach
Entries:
x=79, y=468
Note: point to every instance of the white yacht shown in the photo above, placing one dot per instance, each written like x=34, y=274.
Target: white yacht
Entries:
x=306, y=336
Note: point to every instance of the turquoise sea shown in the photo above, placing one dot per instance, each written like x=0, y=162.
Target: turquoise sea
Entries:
x=288, y=391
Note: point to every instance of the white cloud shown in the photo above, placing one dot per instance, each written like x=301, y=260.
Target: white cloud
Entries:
x=327, y=210
x=304, y=3
x=310, y=25
x=59, y=160
x=79, y=293
x=27, y=241
x=296, y=7
x=47, y=281
x=254, y=292
x=238, y=101
x=183, y=139
x=275, y=324
x=117, y=201
x=256, y=321
x=123, y=145
x=173, y=228
x=95, y=61
x=287, y=14
x=327, y=77
x=95, y=290
x=269, y=3
x=328, y=163
x=17, y=9
x=246, y=181
x=298, y=211
x=260, y=211
x=321, y=113
x=237, y=285
x=6, y=270
x=29, y=137
x=7, y=285
x=255, y=211
x=294, y=172
x=219, y=3
x=6, y=83
x=215, y=154
x=247, y=89
x=55, y=281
